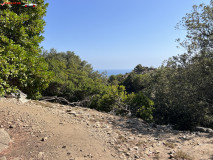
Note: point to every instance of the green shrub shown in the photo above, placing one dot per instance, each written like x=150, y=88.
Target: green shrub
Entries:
x=141, y=106
x=111, y=98
x=180, y=155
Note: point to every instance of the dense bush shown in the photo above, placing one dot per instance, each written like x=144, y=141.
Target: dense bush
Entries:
x=135, y=81
x=114, y=98
x=182, y=91
x=74, y=79
x=141, y=106
x=21, y=66
x=116, y=79
x=111, y=98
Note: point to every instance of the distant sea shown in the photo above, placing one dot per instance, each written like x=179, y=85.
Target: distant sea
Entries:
x=110, y=72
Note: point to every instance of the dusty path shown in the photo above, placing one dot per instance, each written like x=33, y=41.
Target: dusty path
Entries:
x=49, y=131
x=40, y=134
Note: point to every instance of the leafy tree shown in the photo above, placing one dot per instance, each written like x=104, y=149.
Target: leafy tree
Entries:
x=136, y=80
x=138, y=69
x=21, y=66
x=74, y=79
x=190, y=89
x=116, y=79
x=133, y=83
x=198, y=24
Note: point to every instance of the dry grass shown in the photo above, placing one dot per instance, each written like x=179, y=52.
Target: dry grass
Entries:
x=122, y=138
x=170, y=144
x=180, y=155
x=96, y=119
x=140, y=143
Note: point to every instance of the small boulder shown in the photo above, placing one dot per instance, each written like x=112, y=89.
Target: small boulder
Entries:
x=4, y=140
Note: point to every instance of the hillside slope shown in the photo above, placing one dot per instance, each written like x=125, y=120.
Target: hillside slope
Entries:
x=50, y=131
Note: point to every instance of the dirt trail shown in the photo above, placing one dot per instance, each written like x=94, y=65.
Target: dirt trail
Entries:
x=49, y=131
x=40, y=134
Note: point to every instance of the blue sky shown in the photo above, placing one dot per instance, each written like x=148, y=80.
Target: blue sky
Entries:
x=117, y=34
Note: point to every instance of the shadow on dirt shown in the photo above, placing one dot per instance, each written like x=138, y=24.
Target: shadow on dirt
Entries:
x=139, y=127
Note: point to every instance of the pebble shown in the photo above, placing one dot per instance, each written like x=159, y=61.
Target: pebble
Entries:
x=136, y=148
x=136, y=156
x=128, y=154
x=44, y=139
x=171, y=156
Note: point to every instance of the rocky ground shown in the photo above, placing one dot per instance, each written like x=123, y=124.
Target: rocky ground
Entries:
x=50, y=131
